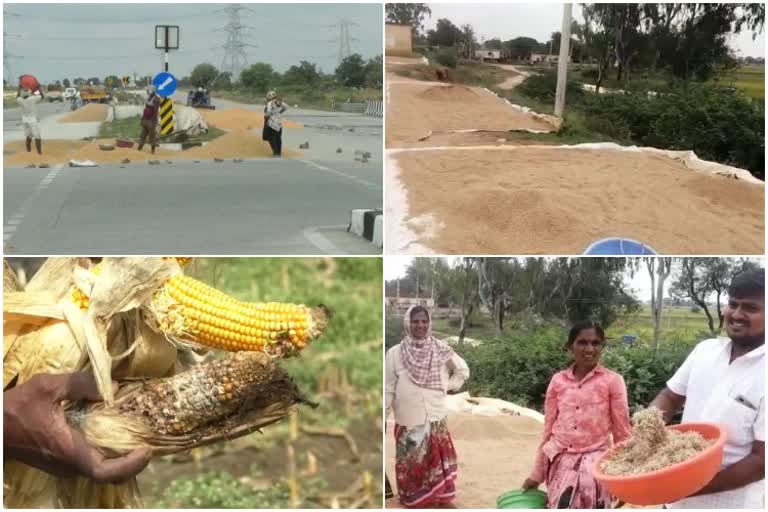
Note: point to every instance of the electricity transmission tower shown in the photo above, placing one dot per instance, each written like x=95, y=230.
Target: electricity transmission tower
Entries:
x=235, y=59
x=345, y=38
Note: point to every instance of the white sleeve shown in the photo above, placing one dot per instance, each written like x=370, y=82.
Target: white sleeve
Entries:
x=758, y=428
x=459, y=374
x=679, y=381
x=390, y=381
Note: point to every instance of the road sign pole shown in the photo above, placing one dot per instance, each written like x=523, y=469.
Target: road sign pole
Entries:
x=167, y=33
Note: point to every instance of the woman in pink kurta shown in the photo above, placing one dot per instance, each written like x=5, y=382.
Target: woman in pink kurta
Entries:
x=584, y=412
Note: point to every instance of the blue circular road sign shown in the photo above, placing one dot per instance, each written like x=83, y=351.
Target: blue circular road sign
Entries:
x=165, y=83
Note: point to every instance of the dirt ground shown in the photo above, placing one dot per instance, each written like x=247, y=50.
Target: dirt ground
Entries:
x=335, y=463
x=495, y=455
x=529, y=200
x=417, y=109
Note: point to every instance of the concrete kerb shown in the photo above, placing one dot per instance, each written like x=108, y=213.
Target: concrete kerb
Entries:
x=367, y=223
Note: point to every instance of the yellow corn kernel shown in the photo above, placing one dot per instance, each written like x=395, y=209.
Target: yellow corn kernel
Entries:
x=217, y=320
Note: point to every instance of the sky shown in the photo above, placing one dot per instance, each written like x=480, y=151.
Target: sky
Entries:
x=56, y=41
x=508, y=21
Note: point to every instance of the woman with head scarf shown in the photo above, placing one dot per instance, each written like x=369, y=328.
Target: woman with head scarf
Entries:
x=420, y=371
x=585, y=410
x=273, y=116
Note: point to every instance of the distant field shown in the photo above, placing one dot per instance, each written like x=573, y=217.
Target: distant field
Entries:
x=748, y=79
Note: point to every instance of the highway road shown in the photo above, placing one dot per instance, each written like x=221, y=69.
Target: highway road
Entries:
x=270, y=206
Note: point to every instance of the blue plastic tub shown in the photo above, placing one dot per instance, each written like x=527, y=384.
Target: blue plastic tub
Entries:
x=619, y=247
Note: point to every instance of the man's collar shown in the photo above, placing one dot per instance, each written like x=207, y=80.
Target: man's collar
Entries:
x=727, y=342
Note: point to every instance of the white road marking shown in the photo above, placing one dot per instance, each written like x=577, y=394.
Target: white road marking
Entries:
x=319, y=240
x=351, y=177
x=9, y=230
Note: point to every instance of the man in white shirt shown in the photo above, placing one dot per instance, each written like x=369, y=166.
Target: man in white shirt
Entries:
x=28, y=103
x=723, y=381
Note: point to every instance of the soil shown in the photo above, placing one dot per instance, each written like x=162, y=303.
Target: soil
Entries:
x=495, y=455
x=417, y=109
x=240, y=119
x=91, y=113
x=527, y=200
x=334, y=462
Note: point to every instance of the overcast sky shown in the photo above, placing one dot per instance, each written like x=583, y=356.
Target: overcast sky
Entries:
x=56, y=41
x=508, y=21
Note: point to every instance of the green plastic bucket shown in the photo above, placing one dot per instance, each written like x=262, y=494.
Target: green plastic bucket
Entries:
x=520, y=499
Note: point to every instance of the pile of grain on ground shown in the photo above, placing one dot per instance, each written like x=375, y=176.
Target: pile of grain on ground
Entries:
x=495, y=455
x=234, y=144
x=54, y=151
x=240, y=119
x=414, y=110
x=653, y=447
x=528, y=200
x=92, y=152
x=91, y=113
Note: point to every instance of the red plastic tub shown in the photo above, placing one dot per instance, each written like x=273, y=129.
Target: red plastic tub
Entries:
x=671, y=483
x=29, y=82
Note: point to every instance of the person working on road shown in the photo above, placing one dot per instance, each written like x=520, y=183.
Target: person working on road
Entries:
x=28, y=101
x=585, y=405
x=266, y=132
x=723, y=381
x=36, y=432
x=149, y=119
x=274, y=112
x=419, y=371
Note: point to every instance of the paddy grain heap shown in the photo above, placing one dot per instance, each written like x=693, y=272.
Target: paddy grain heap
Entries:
x=91, y=113
x=653, y=447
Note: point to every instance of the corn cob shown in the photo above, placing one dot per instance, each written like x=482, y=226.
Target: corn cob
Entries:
x=222, y=399
x=189, y=309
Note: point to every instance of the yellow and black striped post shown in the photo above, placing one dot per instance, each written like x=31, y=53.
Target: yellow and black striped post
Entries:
x=166, y=116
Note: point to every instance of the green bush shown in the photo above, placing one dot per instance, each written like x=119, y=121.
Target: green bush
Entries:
x=543, y=86
x=446, y=57
x=518, y=368
x=716, y=124
x=393, y=330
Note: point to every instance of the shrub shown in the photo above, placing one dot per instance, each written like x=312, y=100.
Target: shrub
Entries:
x=519, y=368
x=543, y=86
x=446, y=57
x=717, y=125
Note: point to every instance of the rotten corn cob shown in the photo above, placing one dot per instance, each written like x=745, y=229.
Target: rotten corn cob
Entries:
x=218, y=400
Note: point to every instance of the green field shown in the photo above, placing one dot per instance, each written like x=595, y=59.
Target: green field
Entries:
x=342, y=371
x=748, y=79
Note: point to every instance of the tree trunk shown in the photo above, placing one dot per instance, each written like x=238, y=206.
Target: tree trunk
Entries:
x=498, y=317
x=710, y=320
x=465, y=313
x=720, y=316
x=619, y=72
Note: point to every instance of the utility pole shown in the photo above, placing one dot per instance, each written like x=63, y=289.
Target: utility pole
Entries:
x=562, y=64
